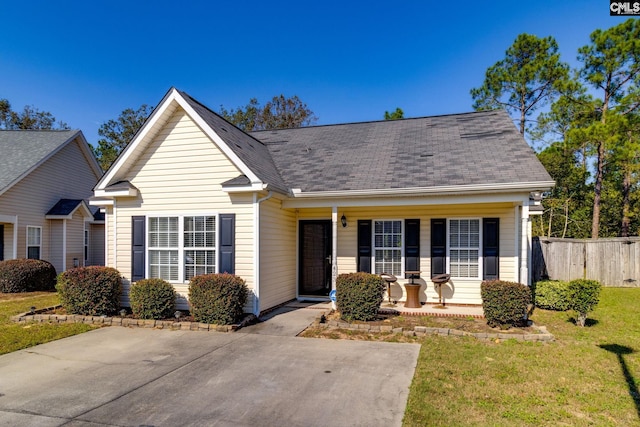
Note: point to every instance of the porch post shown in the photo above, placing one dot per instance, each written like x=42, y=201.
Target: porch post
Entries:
x=334, y=246
x=524, y=241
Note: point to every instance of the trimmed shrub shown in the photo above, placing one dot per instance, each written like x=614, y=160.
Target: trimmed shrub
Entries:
x=584, y=296
x=359, y=295
x=217, y=298
x=27, y=275
x=504, y=303
x=152, y=299
x=552, y=295
x=90, y=291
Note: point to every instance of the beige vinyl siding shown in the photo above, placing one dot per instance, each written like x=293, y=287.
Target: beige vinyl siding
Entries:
x=75, y=239
x=56, y=237
x=466, y=291
x=181, y=172
x=66, y=175
x=278, y=256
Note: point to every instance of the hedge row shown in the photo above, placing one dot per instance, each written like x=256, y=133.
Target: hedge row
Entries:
x=94, y=291
x=26, y=275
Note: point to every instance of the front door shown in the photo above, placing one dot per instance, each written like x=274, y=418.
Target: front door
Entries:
x=315, y=258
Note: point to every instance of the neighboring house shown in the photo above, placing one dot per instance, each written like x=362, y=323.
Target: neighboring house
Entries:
x=46, y=178
x=289, y=210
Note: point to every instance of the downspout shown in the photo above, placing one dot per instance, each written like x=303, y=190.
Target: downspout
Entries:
x=524, y=251
x=256, y=249
x=64, y=245
x=115, y=234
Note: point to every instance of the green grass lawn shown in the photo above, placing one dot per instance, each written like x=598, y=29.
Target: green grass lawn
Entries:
x=18, y=336
x=588, y=377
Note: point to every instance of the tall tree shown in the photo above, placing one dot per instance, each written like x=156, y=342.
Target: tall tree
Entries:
x=116, y=134
x=611, y=64
x=279, y=113
x=28, y=118
x=527, y=78
x=395, y=115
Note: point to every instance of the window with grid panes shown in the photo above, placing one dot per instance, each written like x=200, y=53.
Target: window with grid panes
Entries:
x=464, y=248
x=387, y=246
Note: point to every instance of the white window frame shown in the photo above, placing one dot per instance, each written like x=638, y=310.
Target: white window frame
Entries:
x=180, y=248
x=38, y=245
x=374, y=247
x=479, y=247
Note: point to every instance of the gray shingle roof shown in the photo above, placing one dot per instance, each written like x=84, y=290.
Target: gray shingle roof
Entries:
x=463, y=149
x=252, y=152
x=21, y=150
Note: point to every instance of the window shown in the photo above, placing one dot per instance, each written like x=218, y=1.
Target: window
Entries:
x=34, y=242
x=387, y=247
x=464, y=247
x=181, y=247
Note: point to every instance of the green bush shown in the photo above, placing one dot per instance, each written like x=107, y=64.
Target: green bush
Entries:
x=359, y=295
x=27, y=275
x=90, y=291
x=584, y=296
x=552, y=295
x=504, y=303
x=217, y=298
x=152, y=299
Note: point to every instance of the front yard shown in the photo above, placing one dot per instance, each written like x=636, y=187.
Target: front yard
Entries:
x=18, y=336
x=586, y=377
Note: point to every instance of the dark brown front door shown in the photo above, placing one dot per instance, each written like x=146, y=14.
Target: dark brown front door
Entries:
x=315, y=258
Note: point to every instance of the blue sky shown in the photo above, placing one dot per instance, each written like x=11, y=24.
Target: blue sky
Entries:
x=349, y=61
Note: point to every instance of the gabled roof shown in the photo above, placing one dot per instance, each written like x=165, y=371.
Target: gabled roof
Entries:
x=65, y=208
x=480, y=151
x=242, y=149
x=467, y=150
x=22, y=151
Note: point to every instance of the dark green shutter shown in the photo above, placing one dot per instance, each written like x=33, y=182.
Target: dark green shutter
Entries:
x=364, y=245
x=412, y=245
x=227, y=259
x=138, y=236
x=491, y=248
x=438, y=246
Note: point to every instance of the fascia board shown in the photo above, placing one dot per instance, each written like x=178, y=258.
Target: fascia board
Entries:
x=129, y=192
x=141, y=136
x=219, y=142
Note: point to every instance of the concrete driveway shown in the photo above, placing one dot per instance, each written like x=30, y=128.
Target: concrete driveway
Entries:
x=119, y=376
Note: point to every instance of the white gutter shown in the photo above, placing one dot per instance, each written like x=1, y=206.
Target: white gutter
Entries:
x=441, y=190
x=256, y=250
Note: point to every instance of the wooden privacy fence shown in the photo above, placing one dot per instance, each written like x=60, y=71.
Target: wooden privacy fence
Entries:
x=612, y=262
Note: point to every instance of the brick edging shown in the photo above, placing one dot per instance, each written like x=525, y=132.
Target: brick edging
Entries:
x=118, y=321
x=420, y=331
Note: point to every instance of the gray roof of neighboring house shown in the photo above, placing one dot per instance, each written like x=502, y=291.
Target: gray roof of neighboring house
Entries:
x=461, y=149
x=22, y=150
x=252, y=152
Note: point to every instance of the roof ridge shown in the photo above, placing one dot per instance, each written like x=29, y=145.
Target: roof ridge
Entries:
x=383, y=120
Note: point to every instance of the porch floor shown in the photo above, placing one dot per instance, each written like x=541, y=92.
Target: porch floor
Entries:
x=450, y=310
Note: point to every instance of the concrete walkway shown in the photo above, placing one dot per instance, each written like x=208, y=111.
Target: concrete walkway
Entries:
x=118, y=376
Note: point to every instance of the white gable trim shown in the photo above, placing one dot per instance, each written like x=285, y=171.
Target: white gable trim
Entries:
x=170, y=102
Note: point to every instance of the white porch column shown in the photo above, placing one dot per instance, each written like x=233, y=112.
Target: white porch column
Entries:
x=525, y=239
x=334, y=246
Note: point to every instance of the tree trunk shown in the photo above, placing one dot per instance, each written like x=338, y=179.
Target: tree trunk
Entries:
x=597, y=190
x=626, y=204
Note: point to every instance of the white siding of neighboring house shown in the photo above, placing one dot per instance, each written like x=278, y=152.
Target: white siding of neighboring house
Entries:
x=181, y=172
x=278, y=256
x=467, y=291
x=66, y=174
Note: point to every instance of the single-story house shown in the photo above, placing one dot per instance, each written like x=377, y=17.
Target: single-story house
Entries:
x=289, y=210
x=46, y=179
